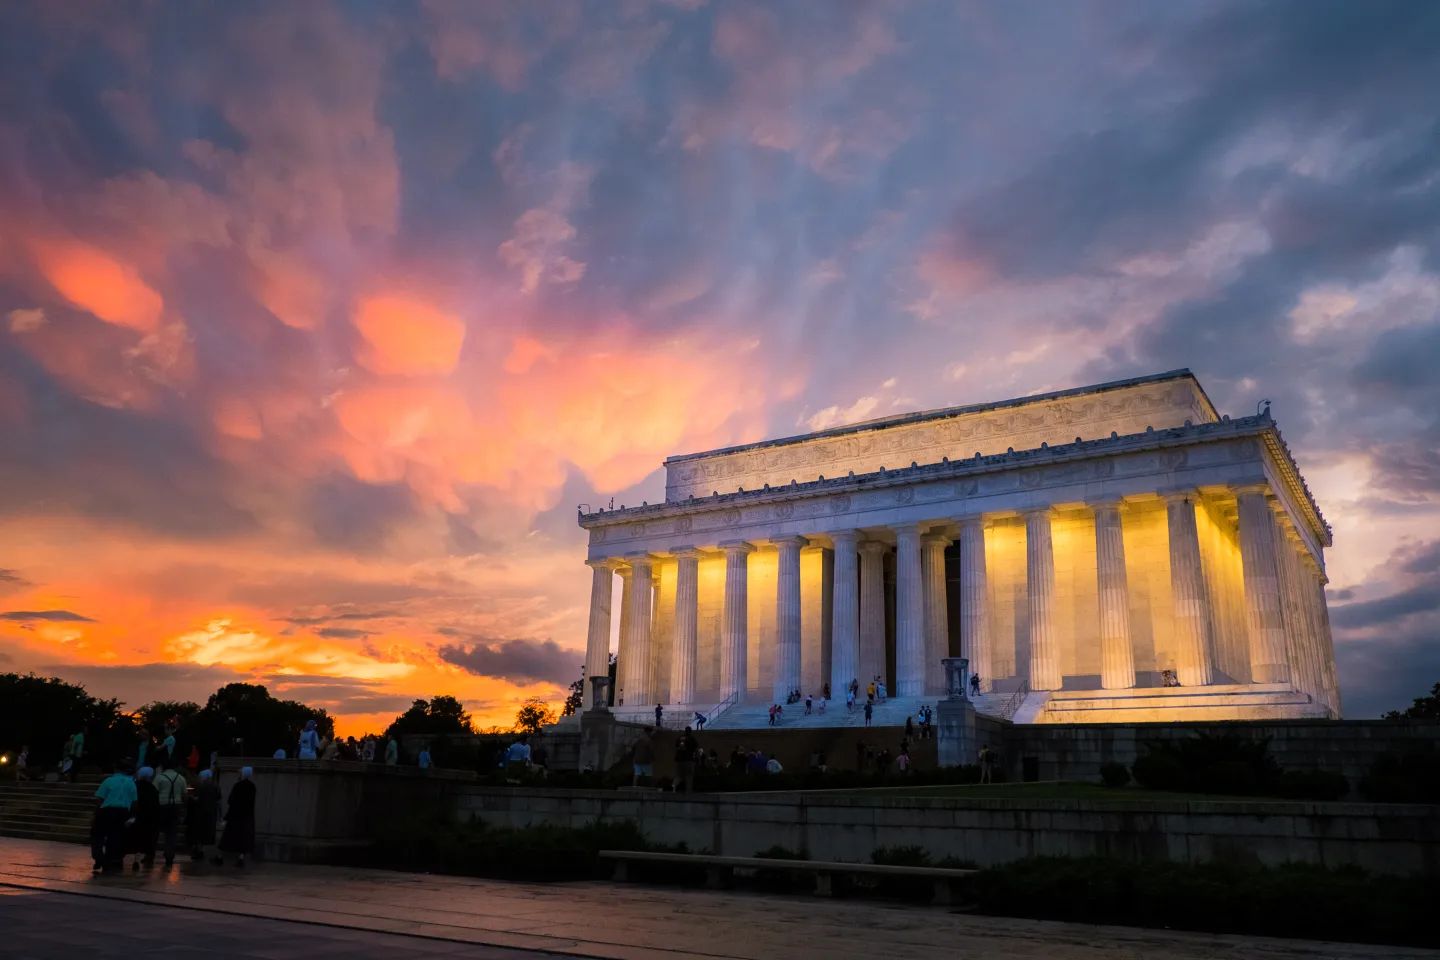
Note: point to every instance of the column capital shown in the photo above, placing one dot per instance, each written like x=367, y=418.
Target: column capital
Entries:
x=1188, y=494
x=873, y=548
x=623, y=571
x=1098, y=504
x=906, y=531
x=972, y=521
x=605, y=563
x=640, y=560
x=1043, y=511
x=936, y=536
x=734, y=547
x=1243, y=488
x=795, y=541
x=684, y=553
x=849, y=534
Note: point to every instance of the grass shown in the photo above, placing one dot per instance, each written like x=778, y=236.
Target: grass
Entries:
x=1050, y=790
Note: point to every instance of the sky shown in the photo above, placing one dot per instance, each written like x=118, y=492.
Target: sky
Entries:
x=318, y=320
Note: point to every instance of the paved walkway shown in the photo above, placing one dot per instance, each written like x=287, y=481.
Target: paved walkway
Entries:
x=608, y=921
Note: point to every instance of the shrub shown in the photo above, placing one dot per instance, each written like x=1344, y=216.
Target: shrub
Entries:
x=912, y=856
x=1403, y=778
x=1114, y=774
x=1231, y=765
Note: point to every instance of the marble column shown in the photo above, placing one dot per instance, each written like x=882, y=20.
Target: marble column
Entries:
x=872, y=611
x=1326, y=644
x=642, y=608
x=683, y=653
x=909, y=614
x=1194, y=658
x=845, y=618
x=1117, y=657
x=974, y=599
x=597, y=638
x=622, y=656
x=1264, y=618
x=734, y=621
x=787, y=617
x=937, y=614
x=1040, y=593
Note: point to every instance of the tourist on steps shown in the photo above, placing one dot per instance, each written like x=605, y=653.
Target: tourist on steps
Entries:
x=309, y=742
x=239, y=834
x=869, y=711
x=116, y=794
x=974, y=684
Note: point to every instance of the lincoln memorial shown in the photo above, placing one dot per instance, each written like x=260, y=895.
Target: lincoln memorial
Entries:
x=1113, y=553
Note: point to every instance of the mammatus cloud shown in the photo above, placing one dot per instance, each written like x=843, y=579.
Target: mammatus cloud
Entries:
x=520, y=661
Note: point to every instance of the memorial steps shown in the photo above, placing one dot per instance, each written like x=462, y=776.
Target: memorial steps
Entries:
x=753, y=716
x=48, y=811
x=1231, y=701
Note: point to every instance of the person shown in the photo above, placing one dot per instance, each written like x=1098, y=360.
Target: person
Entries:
x=737, y=760
x=392, y=753
x=145, y=819
x=309, y=748
x=699, y=720
x=869, y=711
x=974, y=684
x=849, y=699
x=757, y=763
x=809, y=705
x=201, y=816
x=643, y=761
x=517, y=756
x=367, y=751
x=70, y=756
x=659, y=716
x=880, y=692
x=902, y=762
x=823, y=701
x=825, y=690
x=685, y=749
x=22, y=764
x=910, y=725
x=170, y=787
x=883, y=761
x=332, y=749
x=238, y=836
x=279, y=754
x=773, y=766
x=870, y=691
x=116, y=794
x=167, y=746
x=192, y=763
x=424, y=758
x=987, y=760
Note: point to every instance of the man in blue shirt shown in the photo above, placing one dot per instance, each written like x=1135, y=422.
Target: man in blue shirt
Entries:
x=117, y=796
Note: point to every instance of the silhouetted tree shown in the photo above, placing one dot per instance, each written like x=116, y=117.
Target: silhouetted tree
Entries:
x=154, y=715
x=575, y=699
x=440, y=716
x=244, y=719
x=1424, y=708
x=534, y=714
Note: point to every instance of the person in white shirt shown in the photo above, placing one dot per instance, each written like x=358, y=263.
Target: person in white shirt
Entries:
x=773, y=765
x=309, y=742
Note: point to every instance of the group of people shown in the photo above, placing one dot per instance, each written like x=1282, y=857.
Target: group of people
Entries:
x=312, y=746
x=926, y=717
x=142, y=811
x=756, y=762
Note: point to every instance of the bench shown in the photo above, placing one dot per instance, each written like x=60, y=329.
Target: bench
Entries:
x=719, y=870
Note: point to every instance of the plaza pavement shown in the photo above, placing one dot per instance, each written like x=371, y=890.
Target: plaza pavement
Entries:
x=337, y=911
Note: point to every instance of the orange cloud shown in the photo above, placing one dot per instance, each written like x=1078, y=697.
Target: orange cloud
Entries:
x=405, y=337
x=98, y=283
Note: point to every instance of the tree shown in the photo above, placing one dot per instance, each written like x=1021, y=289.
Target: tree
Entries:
x=1424, y=708
x=534, y=714
x=43, y=712
x=155, y=715
x=244, y=719
x=575, y=699
x=441, y=716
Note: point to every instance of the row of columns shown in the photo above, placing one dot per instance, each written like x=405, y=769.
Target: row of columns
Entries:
x=1279, y=635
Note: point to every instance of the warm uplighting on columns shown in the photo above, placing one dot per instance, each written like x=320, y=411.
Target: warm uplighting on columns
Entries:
x=937, y=615
x=1264, y=616
x=734, y=620
x=845, y=615
x=974, y=599
x=1040, y=592
x=787, y=617
x=597, y=640
x=683, y=654
x=909, y=614
x=872, y=610
x=622, y=655
x=1117, y=657
x=1194, y=661
x=642, y=608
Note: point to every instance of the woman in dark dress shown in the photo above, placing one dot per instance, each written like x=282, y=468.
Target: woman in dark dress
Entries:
x=145, y=823
x=201, y=815
x=239, y=834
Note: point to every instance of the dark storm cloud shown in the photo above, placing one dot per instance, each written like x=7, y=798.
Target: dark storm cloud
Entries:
x=47, y=616
x=343, y=633
x=1397, y=606
x=344, y=616
x=519, y=661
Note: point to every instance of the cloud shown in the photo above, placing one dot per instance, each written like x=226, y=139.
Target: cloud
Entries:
x=404, y=337
x=834, y=416
x=44, y=616
x=23, y=321
x=520, y=661
x=534, y=250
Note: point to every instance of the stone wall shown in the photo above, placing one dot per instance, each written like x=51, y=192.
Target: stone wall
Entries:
x=1348, y=747
x=1393, y=839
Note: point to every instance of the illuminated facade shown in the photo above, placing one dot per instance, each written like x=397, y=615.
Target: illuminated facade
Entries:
x=1119, y=552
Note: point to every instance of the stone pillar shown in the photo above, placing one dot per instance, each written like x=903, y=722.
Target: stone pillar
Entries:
x=1326, y=645
x=683, y=653
x=909, y=614
x=974, y=599
x=734, y=623
x=787, y=617
x=1117, y=657
x=872, y=611
x=1297, y=626
x=1194, y=660
x=622, y=656
x=1040, y=593
x=1264, y=619
x=937, y=614
x=642, y=607
x=845, y=619
x=955, y=742
x=597, y=639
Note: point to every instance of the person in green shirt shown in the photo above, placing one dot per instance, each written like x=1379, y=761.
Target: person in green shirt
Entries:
x=117, y=795
x=392, y=752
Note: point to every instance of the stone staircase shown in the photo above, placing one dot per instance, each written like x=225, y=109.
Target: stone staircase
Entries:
x=1231, y=701
x=754, y=716
x=48, y=811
